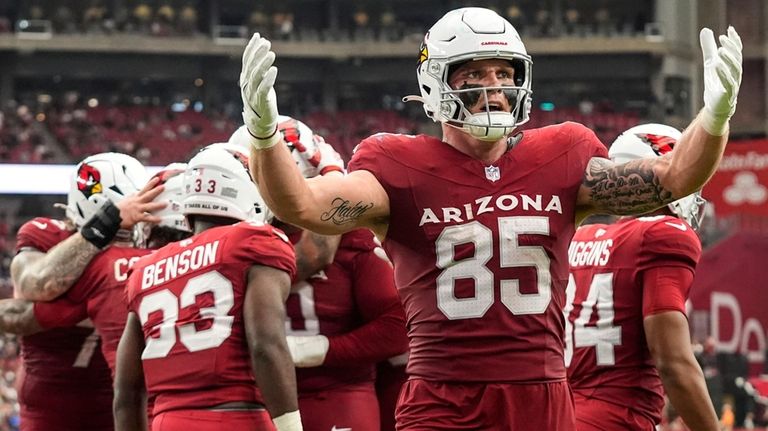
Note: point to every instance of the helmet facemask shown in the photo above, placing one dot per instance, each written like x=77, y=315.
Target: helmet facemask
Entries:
x=472, y=34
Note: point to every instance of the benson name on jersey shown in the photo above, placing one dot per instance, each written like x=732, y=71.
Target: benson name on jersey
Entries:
x=487, y=204
x=179, y=264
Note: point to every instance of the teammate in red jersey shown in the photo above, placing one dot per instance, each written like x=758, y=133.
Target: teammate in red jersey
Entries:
x=343, y=319
x=625, y=309
x=478, y=224
x=51, y=255
x=98, y=293
x=206, y=318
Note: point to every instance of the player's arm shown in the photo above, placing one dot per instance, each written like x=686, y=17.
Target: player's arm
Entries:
x=130, y=401
x=17, y=317
x=314, y=252
x=640, y=186
x=44, y=276
x=668, y=338
x=264, y=317
x=383, y=335
x=330, y=204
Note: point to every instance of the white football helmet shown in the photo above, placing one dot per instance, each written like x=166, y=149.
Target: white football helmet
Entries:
x=102, y=177
x=292, y=130
x=172, y=178
x=473, y=34
x=655, y=140
x=217, y=183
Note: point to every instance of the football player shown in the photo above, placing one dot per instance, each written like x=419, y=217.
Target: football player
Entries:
x=206, y=315
x=343, y=319
x=478, y=224
x=98, y=293
x=65, y=382
x=627, y=335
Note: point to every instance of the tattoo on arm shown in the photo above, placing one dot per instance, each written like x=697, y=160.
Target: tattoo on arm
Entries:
x=61, y=267
x=630, y=188
x=18, y=317
x=344, y=212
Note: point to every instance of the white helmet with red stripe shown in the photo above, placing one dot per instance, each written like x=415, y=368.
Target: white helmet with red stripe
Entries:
x=217, y=182
x=172, y=177
x=655, y=140
x=464, y=35
x=102, y=177
x=295, y=133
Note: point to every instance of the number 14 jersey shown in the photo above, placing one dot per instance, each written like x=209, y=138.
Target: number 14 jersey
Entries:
x=607, y=301
x=480, y=251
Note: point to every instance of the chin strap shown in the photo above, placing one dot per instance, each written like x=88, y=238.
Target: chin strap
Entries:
x=414, y=98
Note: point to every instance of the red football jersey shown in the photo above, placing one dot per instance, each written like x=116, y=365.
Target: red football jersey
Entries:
x=98, y=295
x=66, y=356
x=189, y=297
x=480, y=251
x=358, y=287
x=606, y=348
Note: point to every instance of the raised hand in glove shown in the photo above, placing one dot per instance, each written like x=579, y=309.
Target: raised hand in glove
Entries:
x=257, y=80
x=722, y=77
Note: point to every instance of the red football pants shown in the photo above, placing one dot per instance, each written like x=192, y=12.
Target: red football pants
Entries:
x=213, y=420
x=597, y=415
x=46, y=406
x=354, y=407
x=426, y=405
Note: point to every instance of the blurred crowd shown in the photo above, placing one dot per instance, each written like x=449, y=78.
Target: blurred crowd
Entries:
x=315, y=20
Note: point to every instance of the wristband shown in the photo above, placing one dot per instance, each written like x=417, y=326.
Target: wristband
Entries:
x=714, y=125
x=290, y=421
x=101, y=229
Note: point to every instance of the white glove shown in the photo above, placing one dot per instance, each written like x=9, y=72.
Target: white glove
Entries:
x=309, y=350
x=722, y=77
x=257, y=80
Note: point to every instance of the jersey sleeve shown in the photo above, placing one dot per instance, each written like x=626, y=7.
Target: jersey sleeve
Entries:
x=60, y=313
x=669, y=242
x=586, y=139
x=383, y=334
x=40, y=234
x=264, y=245
x=666, y=288
x=670, y=252
x=367, y=155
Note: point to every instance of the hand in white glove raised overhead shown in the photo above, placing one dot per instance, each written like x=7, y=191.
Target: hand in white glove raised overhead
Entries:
x=257, y=80
x=308, y=350
x=722, y=78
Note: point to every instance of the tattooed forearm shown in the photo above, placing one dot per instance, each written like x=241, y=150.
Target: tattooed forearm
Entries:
x=17, y=317
x=344, y=212
x=58, y=270
x=630, y=188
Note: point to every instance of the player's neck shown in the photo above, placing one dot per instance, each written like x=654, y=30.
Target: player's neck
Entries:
x=486, y=152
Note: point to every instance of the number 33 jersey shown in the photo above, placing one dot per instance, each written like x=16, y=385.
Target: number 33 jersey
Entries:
x=189, y=298
x=607, y=300
x=480, y=250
